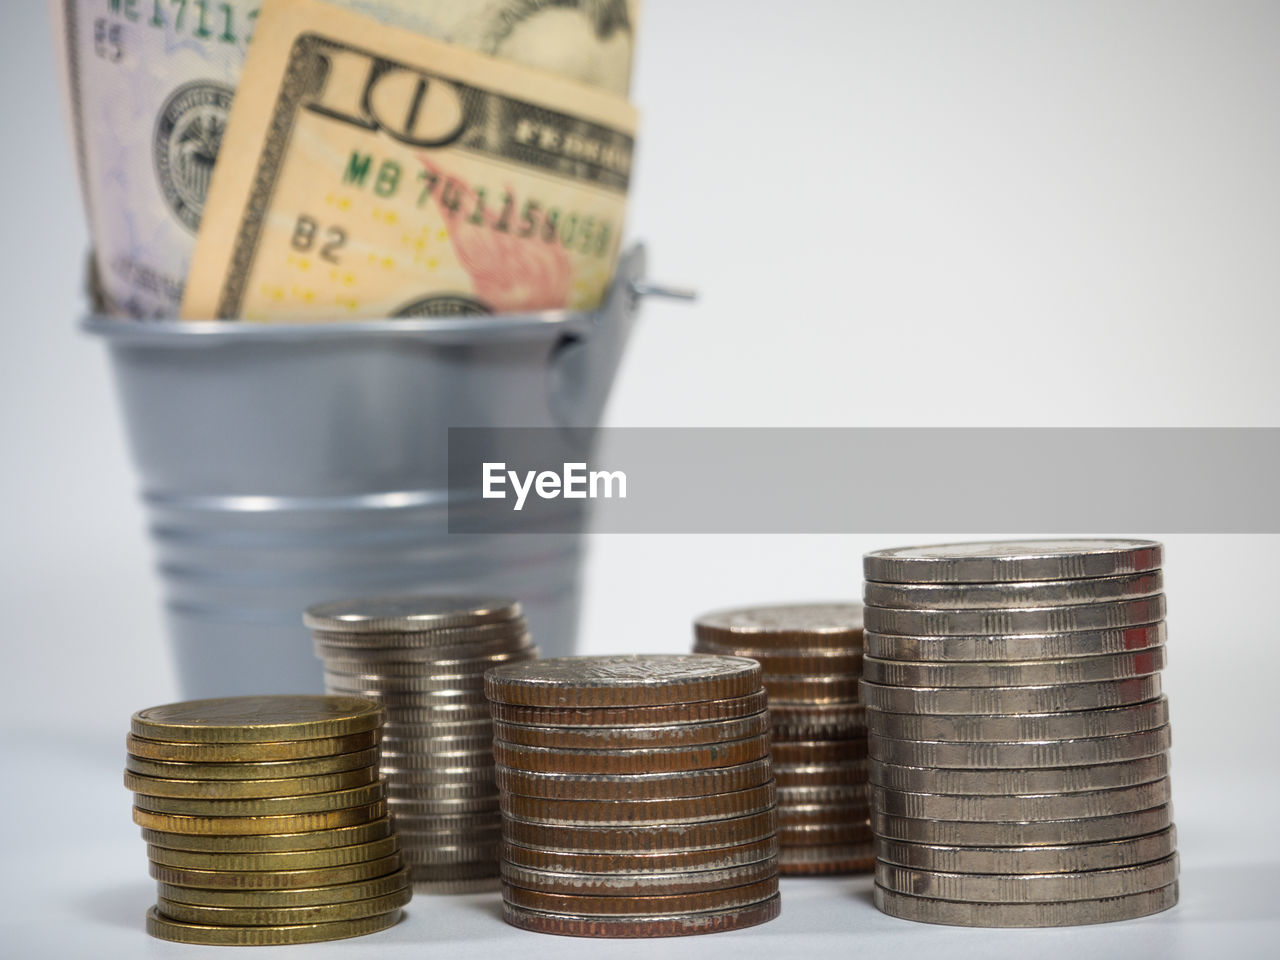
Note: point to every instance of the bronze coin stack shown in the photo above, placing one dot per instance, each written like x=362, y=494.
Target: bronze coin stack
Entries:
x=1018, y=736
x=423, y=659
x=265, y=820
x=637, y=795
x=812, y=660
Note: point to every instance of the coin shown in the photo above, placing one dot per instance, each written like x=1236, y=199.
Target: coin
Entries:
x=453, y=872
x=824, y=835
x=257, y=719
x=319, y=748
x=712, y=921
x=657, y=759
x=996, y=782
x=281, y=770
x=452, y=886
x=165, y=929
x=276, y=879
x=1109, y=722
x=263, y=806
x=1034, y=753
x=437, y=760
x=1026, y=620
x=283, y=916
x=407, y=615
x=1011, y=561
x=409, y=782
x=694, y=712
x=818, y=722
x=614, y=681
x=356, y=663
x=435, y=685
x=971, y=833
x=800, y=662
x=1048, y=698
x=639, y=884
x=843, y=858
x=622, y=738
x=1061, y=914
x=245, y=789
x=1113, y=666
x=262, y=899
x=272, y=843
x=1032, y=593
x=819, y=751
x=641, y=862
x=823, y=814
x=399, y=733
x=428, y=807
x=820, y=774
x=289, y=860
x=636, y=786
x=668, y=811
x=802, y=625
x=252, y=825
x=480, y=851
x=1048, y=806
x=1045, y=646
x=396, y=700
x=1029, y=887
x=650, y=905
x=443, y=744
x=400, y=716
x=812, y=690
x=407, y=649
x=698, y=836
x=841, y=793
x=1061, y=858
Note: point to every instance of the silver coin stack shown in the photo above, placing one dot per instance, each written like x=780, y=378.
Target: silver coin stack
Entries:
x=423, y=659
x=1017, y=732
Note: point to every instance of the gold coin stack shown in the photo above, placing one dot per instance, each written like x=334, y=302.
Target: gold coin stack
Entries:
x=265, y=820
x=812, y=660
x=637, y=797
x=423, y=659
x=1018, y=737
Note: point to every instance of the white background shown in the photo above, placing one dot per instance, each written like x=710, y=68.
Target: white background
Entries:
x=897, y=213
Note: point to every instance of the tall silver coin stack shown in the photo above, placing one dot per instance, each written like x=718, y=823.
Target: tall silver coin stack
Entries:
x=811, y=655
x=424, y=659
x=1018, y=736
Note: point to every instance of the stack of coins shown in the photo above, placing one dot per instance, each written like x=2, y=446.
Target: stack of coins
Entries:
x=812, y=660
x=1018, y=736
x=637, y=796
x=423, y=659
x=265, y=820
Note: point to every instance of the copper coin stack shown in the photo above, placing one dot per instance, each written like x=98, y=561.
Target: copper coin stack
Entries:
x=812, y=660
x=1018, y=737
x=637, y=795
x=423, y=659
x=265, y=819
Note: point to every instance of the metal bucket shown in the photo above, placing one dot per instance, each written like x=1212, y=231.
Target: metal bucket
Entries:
x=287, y=465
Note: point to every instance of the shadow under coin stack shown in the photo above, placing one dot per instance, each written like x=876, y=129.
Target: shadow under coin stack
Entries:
x=265, y=820
x=812, y=660
x=1018, y=735
x=637, y=796
x=423, y=659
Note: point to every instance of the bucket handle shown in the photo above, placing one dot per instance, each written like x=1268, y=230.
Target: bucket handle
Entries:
x=583, y=364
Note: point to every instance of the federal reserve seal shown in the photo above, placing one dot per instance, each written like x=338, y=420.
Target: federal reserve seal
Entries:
x=443, y=305
x=188, y=134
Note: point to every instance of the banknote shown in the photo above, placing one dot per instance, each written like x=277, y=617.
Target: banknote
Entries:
x=376, y=172
x=151, y=82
